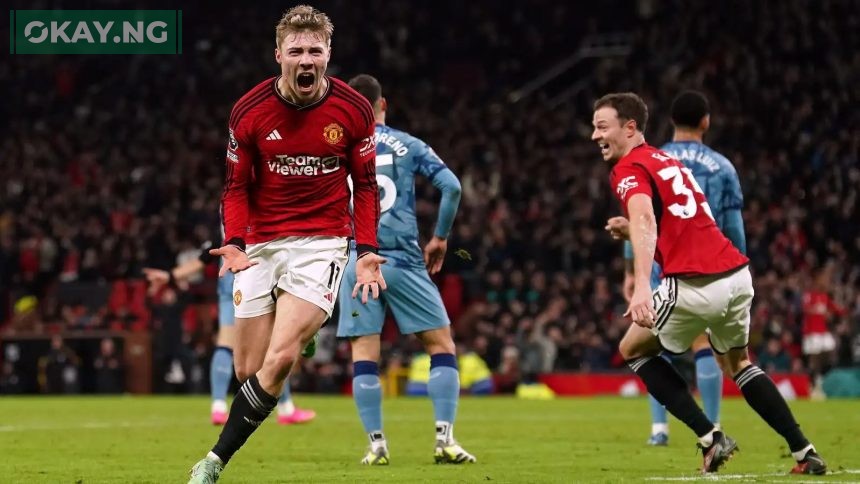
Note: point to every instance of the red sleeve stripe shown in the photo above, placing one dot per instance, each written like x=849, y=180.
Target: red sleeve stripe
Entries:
x=360, y=103
x=242, y=108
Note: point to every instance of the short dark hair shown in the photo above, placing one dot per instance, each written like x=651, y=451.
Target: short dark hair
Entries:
x=628, y=105
x=689, y=108
x=367, y=86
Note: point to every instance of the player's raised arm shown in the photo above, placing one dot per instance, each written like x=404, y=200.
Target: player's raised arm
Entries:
x=432, y=167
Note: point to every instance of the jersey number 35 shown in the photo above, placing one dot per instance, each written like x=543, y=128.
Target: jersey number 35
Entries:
x=688, y=209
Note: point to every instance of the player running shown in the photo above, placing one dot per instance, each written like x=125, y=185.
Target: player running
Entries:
x=221, y=366
x=706, y=284
x=412, y=297
x=717, y=177
x=294, y=140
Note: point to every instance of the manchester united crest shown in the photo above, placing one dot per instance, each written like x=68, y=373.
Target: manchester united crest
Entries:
x=237, y=297
x=333, y=133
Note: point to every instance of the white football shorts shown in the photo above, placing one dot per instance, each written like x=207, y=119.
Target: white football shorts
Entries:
x=310, y=268
x=719, y=304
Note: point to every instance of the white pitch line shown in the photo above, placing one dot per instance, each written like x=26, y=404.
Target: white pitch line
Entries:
x=712, y=477
x=735, y=477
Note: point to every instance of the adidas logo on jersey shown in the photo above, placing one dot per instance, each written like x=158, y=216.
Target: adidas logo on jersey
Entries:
x=274, y=135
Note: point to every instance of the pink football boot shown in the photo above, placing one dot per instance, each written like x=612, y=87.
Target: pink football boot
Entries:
x=298, y=416
x=219, y=412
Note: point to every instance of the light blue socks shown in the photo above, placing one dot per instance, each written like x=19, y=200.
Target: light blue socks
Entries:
x=444, y=390
x=709, y=380
x=220, y=372
x=367, y=393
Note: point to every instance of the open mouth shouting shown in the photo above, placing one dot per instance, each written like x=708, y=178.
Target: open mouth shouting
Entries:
x=604, y=148
x=305, y=82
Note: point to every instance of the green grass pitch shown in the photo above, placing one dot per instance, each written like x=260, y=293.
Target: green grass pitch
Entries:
x=157, y=439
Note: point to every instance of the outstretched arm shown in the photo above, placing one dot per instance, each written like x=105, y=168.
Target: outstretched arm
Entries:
x=180, y=273
x=158, y=277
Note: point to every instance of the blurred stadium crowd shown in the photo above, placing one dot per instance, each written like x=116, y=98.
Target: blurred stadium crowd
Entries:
x=113, y=163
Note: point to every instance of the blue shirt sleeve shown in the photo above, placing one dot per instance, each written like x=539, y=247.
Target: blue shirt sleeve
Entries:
x=733, y=227
x=731, y=220
x=428, y=164
x=628, y=250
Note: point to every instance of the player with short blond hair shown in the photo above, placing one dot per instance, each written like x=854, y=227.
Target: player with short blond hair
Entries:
x=303, y=18
x=294, y=140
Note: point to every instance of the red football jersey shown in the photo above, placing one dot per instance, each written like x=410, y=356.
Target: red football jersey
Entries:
x=817, y=308
x=689, y=243
x=287, y=166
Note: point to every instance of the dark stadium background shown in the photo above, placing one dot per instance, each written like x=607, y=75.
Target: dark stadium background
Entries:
x=111, y=163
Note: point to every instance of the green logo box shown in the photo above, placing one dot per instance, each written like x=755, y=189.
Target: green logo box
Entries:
x=95, y=31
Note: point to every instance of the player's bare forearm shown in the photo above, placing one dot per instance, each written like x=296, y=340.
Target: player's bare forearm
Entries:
x=643, y=237
x=187, y=269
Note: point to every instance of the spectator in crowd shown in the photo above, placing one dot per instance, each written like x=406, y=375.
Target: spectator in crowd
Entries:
x=59, y=370
x=774, y=358
x=10, y=382
x=109, y=368
x=847, y=345
x=172, y=356
x=508, y=373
